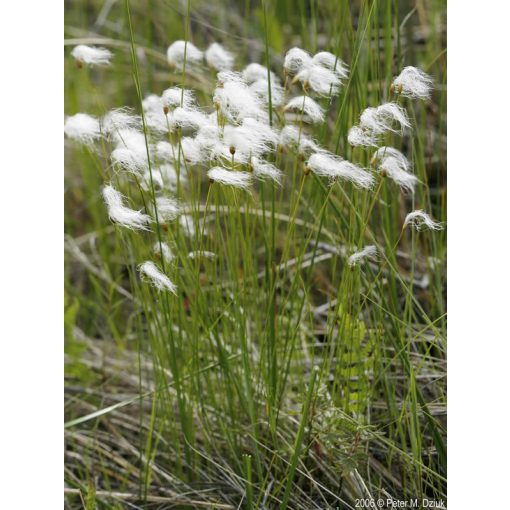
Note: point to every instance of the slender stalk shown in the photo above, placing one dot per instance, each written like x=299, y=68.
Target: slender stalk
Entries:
x=299, y=438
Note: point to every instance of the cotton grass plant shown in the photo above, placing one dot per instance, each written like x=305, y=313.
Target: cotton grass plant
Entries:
x=256, y=258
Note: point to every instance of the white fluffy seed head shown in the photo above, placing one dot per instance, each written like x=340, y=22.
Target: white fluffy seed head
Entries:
x=130, y=152
x=120, y=119
x=390, y=152
x=254, y=72
x=224, y=77
x=332, y=62
x=264, y=170
x=261, y=88
x=355, y=174
x=222, y=149
x=395, y=165
x=368, y=121
x=181, y=51
x=359, y=137
x=324, y=164
x=384, y=118
x=329, y=165
x=187, y=119
x=130, y=138
x=193, y=151
x=260, y=133
x=174, y=96
x=322, y=81
x=157, y=180
x=261, y=130
x=323, y=73
x=152, y=274
x=155, y=118
x=413, y=82
x=293, y=137
x=369, y=252
x=392, y=113
x=219, y=58
x=295, y=60
x=91, y=55
x=121, y=214
x=166, y=151
x=202, y=254
x=209, y=141
x=151, y=103
x=168, y=209
x=232, y=178
x=163, y=250
x=83, y=128
x=308, y=106
x=405, y=180
x=235, y=100
x=251, y=138
x=420, y=220
x=130, y=160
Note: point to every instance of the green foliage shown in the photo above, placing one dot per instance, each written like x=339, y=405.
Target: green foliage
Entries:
x=90, y=498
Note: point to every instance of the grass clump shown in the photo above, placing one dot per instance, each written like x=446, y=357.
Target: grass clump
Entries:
x=255, y=271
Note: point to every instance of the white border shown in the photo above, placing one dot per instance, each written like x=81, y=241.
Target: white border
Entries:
x=31, y=252
x=478, y=219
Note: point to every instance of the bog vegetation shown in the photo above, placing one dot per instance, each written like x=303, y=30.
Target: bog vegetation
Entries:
x=255, y=253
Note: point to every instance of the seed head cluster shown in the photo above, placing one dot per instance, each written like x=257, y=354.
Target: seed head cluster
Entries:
x=251, y=124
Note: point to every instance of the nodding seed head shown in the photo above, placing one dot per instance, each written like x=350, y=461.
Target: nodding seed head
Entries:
x=307, y=106
x=421, y=220
x=368, y=252
x=326, y=164
x=91, y=55
x=414, y=83
x=151, y=273
x=217, y=57
x=232, y=178
x=122, y=215
x=306, y=169
x=232, y=150
x=166, y=110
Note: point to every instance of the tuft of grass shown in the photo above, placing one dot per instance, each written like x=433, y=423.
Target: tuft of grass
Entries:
x=210, y=399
